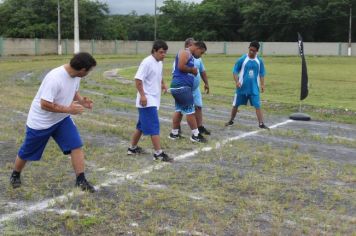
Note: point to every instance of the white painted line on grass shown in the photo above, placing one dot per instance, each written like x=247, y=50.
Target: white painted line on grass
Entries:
x=40, y=206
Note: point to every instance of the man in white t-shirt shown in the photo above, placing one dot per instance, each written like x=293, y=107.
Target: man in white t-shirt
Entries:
x=149, y=83
x=49, y=116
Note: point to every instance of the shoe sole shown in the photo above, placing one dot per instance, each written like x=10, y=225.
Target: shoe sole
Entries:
x=173, y=138
x=195, y=141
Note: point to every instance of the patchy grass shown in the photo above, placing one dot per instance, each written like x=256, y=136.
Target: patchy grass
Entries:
x=258, y=185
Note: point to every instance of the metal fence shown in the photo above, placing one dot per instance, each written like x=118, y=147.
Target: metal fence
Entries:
x=19, y=46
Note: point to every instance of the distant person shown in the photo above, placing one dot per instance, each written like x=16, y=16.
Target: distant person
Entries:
x=249, y=73
x=149, y=83
x=50, y=116
x=198, y=101
x=182, y=90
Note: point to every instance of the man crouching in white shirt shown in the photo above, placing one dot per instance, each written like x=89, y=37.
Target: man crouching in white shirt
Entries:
x=49, y=116
x=149, y=83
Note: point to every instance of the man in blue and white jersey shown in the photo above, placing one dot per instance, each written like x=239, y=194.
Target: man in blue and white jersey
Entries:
x=182, y=88
x=249, y=72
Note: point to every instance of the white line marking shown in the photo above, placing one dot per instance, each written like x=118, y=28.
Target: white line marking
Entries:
x=121, y=178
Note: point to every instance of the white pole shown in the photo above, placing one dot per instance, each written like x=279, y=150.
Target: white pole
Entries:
x=59, y=29
x=155, y=36
x=350, y=33
x=76, y=27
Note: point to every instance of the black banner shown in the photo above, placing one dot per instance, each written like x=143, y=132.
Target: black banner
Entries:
x=304, y=81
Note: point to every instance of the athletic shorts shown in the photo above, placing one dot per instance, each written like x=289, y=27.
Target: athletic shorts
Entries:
x=184, y=101
x=148, y=122
x=65, y=133
x=198, y=101
x=242, y=99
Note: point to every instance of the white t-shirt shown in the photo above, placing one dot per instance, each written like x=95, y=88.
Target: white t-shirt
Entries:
x=57, y=87
x=150, y=73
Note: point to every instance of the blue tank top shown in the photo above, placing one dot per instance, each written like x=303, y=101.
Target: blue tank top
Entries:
x=180, y=78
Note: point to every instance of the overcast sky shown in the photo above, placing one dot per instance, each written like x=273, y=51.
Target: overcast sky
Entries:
x=140, y=6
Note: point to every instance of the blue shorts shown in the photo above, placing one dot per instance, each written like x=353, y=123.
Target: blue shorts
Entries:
x=242, y=99
x=184, y=101
x=198, y=101
x=65, y=133
x=148, y=122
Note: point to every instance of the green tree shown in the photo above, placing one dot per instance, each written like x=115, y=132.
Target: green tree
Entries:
x=36, y=18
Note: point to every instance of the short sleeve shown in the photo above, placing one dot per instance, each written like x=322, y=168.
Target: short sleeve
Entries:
x=50, y=89
x=142, y=71
x=238, y=66
x=201, y=67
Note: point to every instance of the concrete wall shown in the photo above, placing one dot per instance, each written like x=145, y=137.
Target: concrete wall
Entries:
x=15, y=46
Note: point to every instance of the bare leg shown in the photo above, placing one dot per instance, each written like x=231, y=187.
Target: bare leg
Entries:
x=156, y=142
x=136, y=137
x=199, y=116
x=192, y=122
x=19, y=164
x=234, y=111
x=77, y=157
x=177, y=118
x=259, y=116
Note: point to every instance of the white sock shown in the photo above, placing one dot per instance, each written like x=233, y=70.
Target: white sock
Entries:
x=133, y=147
x=157, y=152
x=195, y=132
x=175, y=131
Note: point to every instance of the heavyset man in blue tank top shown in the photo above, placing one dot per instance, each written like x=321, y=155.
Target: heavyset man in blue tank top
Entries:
x=182, y=88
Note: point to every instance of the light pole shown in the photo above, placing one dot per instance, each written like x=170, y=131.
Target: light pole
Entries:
x=350, y=32
x=59, y=29
x=155, y=36
x=76, y=27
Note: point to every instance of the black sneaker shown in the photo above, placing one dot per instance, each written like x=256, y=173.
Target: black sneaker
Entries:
x=198, y=139
x=85, y=186
x=133, y=151
x=164, y=157
x=203, y=130
x=174, y=136
x=263, y=126
x=15, y=181
x=230, y=123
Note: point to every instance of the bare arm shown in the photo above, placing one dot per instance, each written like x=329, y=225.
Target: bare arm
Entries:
x=204, y=77
x=139, y=87
x=74, y=109
x=164, y=86
x=84, y=101
x=262, y=83
x=182, y=63
x=237, y=82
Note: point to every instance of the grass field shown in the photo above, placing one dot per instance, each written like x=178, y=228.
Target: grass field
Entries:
x=297, y=179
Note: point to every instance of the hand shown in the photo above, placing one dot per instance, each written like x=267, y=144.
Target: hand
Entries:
x=75, y=108
x=164, y=88
x=87, y=103
x=194, y=71
x=206, y=88
x=238, y=84
x=143, y=101
x=262, y=88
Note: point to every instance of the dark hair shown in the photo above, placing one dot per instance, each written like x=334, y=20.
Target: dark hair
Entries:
x=201, y=45
x=188, y=41
x=255, y=44
x=158, y=44
x=82, y=60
